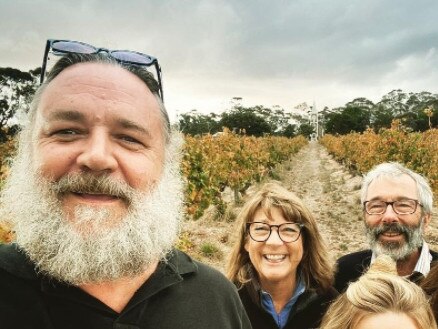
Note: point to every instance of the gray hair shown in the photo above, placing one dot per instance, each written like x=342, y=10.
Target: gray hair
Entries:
x=70, y=59
x=394, y=169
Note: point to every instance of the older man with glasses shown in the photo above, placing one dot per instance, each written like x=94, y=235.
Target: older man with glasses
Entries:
x=95, y=196
x=397, y=205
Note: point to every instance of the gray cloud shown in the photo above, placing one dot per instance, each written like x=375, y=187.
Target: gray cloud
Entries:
x=277, y=52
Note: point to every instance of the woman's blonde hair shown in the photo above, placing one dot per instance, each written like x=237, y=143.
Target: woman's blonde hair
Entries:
x=379, y=291
x=316, y=267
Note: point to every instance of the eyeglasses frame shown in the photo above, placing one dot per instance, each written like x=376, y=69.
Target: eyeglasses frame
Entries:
x=248, y=225
x=417, y=203
x=154, y=63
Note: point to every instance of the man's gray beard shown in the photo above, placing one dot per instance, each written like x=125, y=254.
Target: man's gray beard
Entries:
x=99, y=252
x=397, y=251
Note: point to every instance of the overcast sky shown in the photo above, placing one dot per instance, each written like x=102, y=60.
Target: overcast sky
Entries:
x=269, y=52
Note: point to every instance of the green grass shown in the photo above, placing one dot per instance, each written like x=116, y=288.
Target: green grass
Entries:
x=209, y=249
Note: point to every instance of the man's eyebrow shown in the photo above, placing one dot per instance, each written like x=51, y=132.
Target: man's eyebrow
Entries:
x=66, y=115
x=393, y=198
x=80, y=117
x=131, y=125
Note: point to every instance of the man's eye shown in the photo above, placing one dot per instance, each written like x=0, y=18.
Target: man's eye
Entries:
x=130, y=139
x=375, y=205
x=65, y=132
x=405, y=205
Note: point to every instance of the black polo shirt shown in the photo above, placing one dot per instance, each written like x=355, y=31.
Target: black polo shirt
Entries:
x=181, y=293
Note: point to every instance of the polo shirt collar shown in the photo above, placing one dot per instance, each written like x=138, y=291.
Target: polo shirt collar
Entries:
x=423, y=263
x=168, y=273
x=15, y=261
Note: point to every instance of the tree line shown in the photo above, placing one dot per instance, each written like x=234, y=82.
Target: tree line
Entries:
x=16, y=91
x=415, y=111
x=254, y=121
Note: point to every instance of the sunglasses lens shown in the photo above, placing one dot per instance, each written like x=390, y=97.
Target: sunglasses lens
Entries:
x=132, y=57
x=73, y=47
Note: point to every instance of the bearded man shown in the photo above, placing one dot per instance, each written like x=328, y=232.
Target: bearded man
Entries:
x=397, y=205
x=95, y=198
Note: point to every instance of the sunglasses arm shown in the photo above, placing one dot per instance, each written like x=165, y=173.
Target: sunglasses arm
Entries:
x=160, y=82
x=43, y=67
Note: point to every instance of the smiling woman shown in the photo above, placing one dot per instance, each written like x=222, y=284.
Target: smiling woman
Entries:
x=280, y=262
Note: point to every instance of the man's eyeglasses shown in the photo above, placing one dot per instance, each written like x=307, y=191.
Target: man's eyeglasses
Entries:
x=400, y=207
x=260, y=232
x=63, y=47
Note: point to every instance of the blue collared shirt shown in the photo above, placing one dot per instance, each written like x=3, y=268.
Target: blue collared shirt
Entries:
x=268, y=304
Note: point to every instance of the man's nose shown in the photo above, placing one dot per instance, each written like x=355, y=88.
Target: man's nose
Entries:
x=390, y=216
x=98, y=154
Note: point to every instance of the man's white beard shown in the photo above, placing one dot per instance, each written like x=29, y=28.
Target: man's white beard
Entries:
x=100, y=251
x=397, y=251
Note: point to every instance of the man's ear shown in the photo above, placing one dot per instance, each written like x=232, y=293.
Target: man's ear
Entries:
x=426, y=221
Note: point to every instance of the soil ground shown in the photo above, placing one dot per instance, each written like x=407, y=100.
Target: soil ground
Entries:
x=329, y=190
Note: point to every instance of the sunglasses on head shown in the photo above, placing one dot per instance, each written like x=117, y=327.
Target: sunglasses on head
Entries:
x=63, y=47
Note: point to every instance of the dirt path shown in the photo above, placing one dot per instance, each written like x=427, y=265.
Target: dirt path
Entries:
x=330, y=191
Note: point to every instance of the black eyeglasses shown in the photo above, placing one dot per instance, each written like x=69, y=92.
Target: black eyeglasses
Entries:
x=400, y=207
x=62, y=47
x=260, y=232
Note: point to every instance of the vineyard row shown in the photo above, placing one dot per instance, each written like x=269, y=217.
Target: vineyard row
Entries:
x=211, y=164
x=360, y=152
